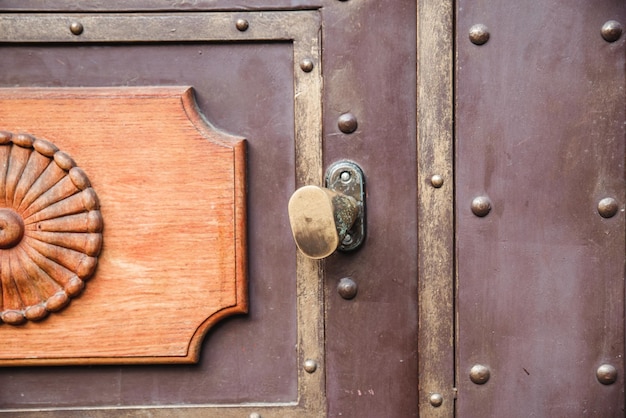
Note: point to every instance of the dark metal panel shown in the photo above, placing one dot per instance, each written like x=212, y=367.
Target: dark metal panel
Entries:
x=369, y=70
x=239, y=87
x=541, y=114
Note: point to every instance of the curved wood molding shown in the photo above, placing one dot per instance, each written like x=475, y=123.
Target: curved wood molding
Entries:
x=172, y=257
x=50, y=228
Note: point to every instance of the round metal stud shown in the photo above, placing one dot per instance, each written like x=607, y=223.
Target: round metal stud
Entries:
x=606, y=374
x=306, y=65
x=347, y=288
x=347, y=239
x=479, y=374
x=481, y=206
x=436, y=181
x=608, y=207
x=436, y=400
x=612, y=31
x=76, y=28
x=479, y=34
x=347, y=123
x=242, y=25
x=310, y=366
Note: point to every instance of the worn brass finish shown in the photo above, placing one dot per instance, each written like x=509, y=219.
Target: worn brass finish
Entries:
x=608, y=207
x=302, y=30
x=76, y=28
x=436, y=181
x=242, y=25
x=347, y=288
x=347, y=178
x=481, y=206
x=320, y=219
x=612, y=31
x=347, y=123
x=310, y=366
x=479, y=374
x=306, y=65
x=606, y=374
x=436, y=400
x=479, y=34
x=326, y=219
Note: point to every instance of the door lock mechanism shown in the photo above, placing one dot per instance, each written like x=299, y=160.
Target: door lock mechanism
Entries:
x=324, y=219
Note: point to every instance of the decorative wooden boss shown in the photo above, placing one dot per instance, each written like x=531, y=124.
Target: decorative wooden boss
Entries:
x=122, y=226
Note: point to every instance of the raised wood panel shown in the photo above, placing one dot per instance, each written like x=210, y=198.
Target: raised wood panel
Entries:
x=172, y=198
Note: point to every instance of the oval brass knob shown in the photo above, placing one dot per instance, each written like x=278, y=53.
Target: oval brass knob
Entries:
x=324, y=219
x=320, y=219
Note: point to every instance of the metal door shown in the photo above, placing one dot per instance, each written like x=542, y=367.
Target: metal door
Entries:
x=306, y=83
x=540, y=197
x=490, y=281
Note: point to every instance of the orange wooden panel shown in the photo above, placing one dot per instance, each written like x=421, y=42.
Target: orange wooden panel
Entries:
x=171, y=193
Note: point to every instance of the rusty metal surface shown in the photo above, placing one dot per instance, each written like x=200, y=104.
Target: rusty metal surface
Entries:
x=369, y=58
x=540, y=130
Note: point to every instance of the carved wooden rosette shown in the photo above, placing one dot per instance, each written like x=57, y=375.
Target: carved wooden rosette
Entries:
x=50, y=228
x=172, y=190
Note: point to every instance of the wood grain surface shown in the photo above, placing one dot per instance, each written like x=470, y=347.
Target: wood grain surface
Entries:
x=172, y=198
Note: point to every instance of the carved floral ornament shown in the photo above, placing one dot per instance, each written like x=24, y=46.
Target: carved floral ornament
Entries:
x=50, y=228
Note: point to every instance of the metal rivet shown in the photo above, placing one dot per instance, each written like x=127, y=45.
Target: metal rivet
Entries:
x=347, y=123
x=435, y=400
x=310, y=366
x=479, y=374
x=346, y=177
x=436, y=181
x=306, y=65
x=242, y=25
x=481, y=206
x=479, y=34
x=612, y=31
x=608, y=207
x=255, y=415
x=76, y=28
x=606, y=374
x=347, y=239
x=347, y=288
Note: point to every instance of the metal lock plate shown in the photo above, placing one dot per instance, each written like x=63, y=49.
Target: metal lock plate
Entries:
x=346, y=177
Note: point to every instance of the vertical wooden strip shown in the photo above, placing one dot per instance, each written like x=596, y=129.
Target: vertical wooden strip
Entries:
x=308, y=153
x=435, y=207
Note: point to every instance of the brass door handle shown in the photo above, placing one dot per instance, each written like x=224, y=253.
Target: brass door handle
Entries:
x=324, y=219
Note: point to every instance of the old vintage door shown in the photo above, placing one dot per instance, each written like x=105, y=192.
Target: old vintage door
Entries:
x=490, y=280
x=540, y=196
x=303, y=84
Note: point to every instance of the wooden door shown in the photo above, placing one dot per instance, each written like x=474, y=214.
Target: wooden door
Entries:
x=303, y=84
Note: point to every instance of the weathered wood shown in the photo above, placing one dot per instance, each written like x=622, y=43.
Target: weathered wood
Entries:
x=165, y=234
x=435, y=205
